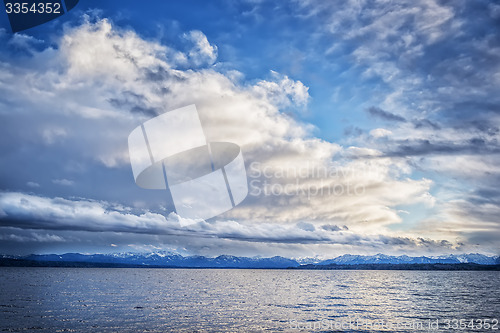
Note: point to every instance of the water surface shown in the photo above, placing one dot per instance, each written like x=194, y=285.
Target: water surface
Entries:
x=159, y=300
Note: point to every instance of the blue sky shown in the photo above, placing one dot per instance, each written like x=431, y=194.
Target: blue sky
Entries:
x=397, y=101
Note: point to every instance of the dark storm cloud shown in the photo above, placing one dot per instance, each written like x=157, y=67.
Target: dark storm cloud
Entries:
x=333, y=227
x=33, y=212
x=474, y=105
x=415, y=242
x=384, y=115
x=48, y=216
x=160, y=74
x=134, y=103
x=489, y=194
x=480, y=124
x=422, y=123
x=475, y=146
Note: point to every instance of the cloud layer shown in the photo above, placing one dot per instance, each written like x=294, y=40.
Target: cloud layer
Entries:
x=67, y=110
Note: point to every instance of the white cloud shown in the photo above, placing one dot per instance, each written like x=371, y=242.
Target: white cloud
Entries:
x=202, y=52
x=59, y=215
x=283, y=91
x=437, y=66
x=110, y=80
x=380, y=132
x=97, y=50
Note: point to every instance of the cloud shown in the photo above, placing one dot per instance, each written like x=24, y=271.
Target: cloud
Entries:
x=52, y=134
x=24, y=43
x=95, y=50
x=333, y=227
x=108, y=80
x=31, y=212
x=494, y=10
x=202, y=52
x=283, y=91
x=63, y=182
x=384, y=115
x=33, y=237
x=247, y=115
x=434, y=65
x=380, y=132
x=426, y=123
x=426, y=57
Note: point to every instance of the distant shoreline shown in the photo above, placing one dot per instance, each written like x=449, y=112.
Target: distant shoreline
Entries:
x=405, y=267
x=10, y=262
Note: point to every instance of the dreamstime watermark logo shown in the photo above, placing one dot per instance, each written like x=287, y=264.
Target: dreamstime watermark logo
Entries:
x=308, y=180
x=170, y=152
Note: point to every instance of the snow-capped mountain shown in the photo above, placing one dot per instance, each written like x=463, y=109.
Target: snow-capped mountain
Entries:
x=172, y=259
x=308, y=260
x=349, y=259
x=475, y=258
x=168, y=259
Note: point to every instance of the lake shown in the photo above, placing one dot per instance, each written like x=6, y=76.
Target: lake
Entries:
x=237, y=300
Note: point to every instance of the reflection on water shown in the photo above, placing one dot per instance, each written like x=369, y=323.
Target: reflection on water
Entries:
x=159, y=300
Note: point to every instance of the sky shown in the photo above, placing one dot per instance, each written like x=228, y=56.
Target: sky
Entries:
x=366, y=126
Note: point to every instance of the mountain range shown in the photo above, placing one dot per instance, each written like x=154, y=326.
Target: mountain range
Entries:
x=169, y=259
